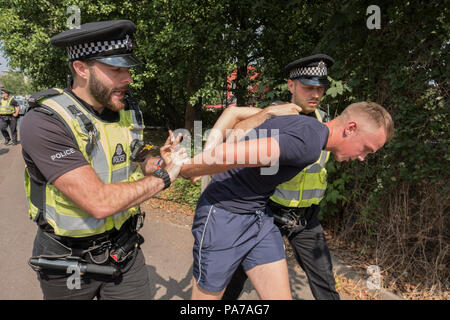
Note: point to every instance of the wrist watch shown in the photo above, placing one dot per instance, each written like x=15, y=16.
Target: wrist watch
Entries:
x=161, y=173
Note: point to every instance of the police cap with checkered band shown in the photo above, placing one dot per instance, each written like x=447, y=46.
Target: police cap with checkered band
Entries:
x=310, y=70
x=109, y=42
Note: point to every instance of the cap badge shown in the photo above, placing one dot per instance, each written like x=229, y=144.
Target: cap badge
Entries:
x=128, y=43
x=322, y=66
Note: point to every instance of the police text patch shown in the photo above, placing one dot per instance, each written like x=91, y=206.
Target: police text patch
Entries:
x=119, y=155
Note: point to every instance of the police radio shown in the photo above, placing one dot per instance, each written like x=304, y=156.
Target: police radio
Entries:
x=140, y=150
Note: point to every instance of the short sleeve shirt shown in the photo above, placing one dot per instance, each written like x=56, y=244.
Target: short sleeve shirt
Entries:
x=48, y=148
x=245, y=190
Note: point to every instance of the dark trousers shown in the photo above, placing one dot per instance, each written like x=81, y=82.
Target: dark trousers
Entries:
x=312, y=253
x=131, y=285
x=10, y=121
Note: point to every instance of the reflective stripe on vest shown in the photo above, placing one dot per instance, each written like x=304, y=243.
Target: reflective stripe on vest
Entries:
x=5, y=106
x=307, y=187
x=110, y=159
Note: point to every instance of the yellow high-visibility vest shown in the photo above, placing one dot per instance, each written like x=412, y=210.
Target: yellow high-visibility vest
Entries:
x=5, y=106
x=309, y=186
x=106, y=146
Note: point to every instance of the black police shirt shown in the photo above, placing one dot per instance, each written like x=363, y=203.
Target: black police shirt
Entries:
x=245, y=190
x=47, y=146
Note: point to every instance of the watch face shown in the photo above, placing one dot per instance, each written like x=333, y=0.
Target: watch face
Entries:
x=159, y=173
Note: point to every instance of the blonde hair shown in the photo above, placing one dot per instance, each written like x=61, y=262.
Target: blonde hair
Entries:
x=374, y=113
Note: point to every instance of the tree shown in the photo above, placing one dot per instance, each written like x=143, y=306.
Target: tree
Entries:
x=189, y=47
x=14, y=81
x=396, y=201
x=178, y=41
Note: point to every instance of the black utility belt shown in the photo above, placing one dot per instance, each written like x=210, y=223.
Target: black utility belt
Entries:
x=282, y=210
x=117, y=244
x=132, y=225
x=287, y=218
x=85, y=243
x=111, y=254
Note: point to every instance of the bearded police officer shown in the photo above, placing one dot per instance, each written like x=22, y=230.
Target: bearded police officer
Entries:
x=83, y=185
x=9, y=112
x=295, y=203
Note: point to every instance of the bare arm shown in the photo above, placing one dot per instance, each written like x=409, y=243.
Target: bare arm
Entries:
x=252, y=153
x=227, y=120
x=243, y=119
x=16, y=113
x=244, y=126
x=86, y=190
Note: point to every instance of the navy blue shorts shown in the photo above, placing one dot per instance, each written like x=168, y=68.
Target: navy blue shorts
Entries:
x=223, y=240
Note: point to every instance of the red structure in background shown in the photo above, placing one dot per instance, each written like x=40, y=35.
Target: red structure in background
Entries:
x=231, y=84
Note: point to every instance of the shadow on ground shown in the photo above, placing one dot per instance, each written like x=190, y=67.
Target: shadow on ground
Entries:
x=162, y=289
x=3, y=151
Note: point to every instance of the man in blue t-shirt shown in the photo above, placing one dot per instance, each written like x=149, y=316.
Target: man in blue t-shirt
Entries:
x=294, y=207
x=232, y=224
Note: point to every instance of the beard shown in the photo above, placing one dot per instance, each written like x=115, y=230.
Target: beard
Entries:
x=103, y=95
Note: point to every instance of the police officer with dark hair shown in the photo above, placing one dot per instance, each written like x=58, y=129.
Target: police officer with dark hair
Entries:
x=295, y=203
x=9, y=112
x=82, y=179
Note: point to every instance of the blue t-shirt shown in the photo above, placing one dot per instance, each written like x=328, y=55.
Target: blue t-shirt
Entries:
x=245, y=190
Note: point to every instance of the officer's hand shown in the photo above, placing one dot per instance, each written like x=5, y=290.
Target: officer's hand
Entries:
x=283, y=109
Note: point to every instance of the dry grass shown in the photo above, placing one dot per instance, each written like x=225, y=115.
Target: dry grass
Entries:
x=409, y=242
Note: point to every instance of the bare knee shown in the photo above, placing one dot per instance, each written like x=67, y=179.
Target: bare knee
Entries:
x=271, y=280
x=202, y=294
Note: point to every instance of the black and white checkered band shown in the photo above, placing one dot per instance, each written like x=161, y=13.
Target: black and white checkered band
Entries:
x=319, y=71
x=78, y=51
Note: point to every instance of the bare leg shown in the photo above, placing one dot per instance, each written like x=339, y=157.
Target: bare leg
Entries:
x=271, y=280
x=201, y=294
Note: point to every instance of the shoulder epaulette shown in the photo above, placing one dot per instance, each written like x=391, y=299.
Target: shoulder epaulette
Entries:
x=33, y=101
x=132, y=104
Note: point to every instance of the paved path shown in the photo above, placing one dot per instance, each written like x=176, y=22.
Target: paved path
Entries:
x=167, y=247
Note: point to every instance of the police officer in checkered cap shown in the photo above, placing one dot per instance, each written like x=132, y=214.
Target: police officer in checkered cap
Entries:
x=109, y=42
x=310, y=70
x=84, y=186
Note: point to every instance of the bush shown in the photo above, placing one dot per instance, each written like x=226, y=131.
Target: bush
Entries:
x=185, y=192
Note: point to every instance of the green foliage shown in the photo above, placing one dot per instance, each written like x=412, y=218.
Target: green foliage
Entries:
x=404, y=67
x=337, y=88
x=335, y=197
x=189, y=47
x=180, y=43
x=14, y=81
x=186, y=192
